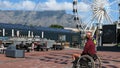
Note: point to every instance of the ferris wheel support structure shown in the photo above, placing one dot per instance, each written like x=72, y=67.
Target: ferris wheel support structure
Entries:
x=78, y=21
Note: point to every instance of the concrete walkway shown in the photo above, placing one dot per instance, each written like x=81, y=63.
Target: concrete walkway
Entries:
x=56, y=59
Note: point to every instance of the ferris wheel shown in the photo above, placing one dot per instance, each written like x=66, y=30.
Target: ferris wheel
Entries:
x=98, y=13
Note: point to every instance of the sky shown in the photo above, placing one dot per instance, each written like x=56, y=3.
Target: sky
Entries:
x=41, y=5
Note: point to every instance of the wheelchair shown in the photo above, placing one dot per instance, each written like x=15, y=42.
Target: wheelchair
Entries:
x=87, y=61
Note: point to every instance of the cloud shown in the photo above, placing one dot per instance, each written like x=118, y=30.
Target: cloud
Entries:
x=53, y=5
x=5, y=4
x=48, y=5
x=83, y=6
x=28, y=5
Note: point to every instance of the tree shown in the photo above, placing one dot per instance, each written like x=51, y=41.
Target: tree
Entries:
x=56, y=26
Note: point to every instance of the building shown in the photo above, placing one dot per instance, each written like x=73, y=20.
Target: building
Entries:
x=18, y=30
x=111, y=34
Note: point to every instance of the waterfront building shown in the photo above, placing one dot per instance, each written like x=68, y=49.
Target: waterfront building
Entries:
x=19, y=30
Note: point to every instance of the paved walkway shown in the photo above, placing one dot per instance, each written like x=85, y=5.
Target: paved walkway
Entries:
x=55, y=59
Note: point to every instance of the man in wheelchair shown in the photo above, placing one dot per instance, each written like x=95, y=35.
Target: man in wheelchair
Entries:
x=89, y=48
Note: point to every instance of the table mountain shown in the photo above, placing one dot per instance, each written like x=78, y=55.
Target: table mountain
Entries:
x=39, y=18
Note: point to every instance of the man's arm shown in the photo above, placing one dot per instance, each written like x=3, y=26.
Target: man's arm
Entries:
x=86, y=48
x=92, y=49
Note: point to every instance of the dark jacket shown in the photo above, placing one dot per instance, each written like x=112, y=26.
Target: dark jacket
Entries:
x=89, y=48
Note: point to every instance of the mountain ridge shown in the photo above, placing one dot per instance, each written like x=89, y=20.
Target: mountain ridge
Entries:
x=37, y=18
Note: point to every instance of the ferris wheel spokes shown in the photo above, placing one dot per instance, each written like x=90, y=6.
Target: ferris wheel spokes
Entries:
x=100, y=14
x=116, y=1
x=108, y=18
x=92, y=20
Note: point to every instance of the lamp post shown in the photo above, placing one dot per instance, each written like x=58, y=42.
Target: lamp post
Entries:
x=118, y=22
x=12, y=32
x=3, y=32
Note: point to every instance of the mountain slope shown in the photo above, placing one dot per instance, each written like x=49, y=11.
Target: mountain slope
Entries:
x=39, y=18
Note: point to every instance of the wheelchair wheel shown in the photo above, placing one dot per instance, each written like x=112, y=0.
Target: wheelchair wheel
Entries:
x=74, y=65
x=97, y=63
x=85, y=61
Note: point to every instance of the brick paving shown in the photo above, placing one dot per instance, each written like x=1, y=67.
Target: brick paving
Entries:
x=56, y=59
